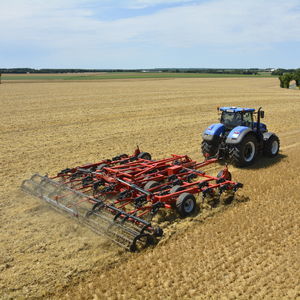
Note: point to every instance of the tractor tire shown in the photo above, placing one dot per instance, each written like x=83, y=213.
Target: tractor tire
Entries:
x=245, y=152
x=208, y=149
x=186, y=204
x=145, y=155
x=271, y=146
x=150, y=184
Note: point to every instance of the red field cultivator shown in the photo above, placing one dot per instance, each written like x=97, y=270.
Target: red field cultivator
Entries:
x=119, y=197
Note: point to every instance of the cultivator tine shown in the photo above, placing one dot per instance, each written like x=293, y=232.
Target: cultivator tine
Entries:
x=105, y=220
x=125, y=234
x=35, y=185
x=51, y=192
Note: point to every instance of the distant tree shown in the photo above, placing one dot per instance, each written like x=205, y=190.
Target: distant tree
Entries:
x=296, y=77
x=285, y=80
x=282, y=71
x=278, y=72
x=281, y=81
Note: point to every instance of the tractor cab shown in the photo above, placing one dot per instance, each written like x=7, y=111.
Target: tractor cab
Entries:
x=232, y=117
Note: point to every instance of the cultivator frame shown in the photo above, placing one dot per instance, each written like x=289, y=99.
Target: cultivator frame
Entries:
x=119, y=197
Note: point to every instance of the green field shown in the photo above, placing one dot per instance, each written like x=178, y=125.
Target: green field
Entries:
x=117, y=75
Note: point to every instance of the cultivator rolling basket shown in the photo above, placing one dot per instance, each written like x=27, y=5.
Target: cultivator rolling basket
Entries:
x=119, y=197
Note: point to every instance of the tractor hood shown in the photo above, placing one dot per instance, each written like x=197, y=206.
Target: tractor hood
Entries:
x=213, y=131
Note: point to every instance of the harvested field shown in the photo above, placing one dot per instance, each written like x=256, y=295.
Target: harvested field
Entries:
x=245, y=250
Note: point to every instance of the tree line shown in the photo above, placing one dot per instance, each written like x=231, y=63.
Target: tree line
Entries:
x=251, y=71
x=286, y=78
x=58, y=71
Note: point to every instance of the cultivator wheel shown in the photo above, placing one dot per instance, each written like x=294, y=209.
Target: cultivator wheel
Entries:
x=118, y=197
x=186, y=204
x=144, y=155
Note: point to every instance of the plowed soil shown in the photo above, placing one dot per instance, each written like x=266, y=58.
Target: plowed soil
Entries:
x=249, y=249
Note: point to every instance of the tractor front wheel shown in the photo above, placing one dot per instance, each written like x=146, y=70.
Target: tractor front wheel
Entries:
x=244, y=153
x=271, y=147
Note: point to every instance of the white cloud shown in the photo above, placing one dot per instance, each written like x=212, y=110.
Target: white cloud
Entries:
x=71, y=26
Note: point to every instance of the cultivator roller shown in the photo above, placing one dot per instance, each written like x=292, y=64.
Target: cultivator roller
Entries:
x=119, y=197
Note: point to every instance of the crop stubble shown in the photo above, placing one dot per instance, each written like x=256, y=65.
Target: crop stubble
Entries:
x=247, y=249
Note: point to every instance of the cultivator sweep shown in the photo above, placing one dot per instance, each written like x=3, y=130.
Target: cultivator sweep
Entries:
x=119, y=197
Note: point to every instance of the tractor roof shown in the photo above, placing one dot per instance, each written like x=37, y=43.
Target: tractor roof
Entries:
x=237, y=109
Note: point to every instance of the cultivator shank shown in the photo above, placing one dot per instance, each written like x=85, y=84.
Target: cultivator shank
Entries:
x=118, y=198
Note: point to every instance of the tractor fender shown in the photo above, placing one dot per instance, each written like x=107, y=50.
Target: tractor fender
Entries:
x=213, y=132
x=237, y=134
x=267, y=135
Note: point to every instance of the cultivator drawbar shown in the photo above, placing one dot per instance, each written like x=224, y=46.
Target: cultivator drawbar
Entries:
x=119, y=197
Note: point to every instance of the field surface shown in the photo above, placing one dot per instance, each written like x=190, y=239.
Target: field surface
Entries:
x=117, y=75
x=247, y=250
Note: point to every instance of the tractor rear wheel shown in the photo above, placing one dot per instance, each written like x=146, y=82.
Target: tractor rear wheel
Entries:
x=208, y=149
x=271, y=147
x=244, y=153
x=186, y=204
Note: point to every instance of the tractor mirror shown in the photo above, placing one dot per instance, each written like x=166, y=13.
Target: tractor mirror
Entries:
x=262, y=114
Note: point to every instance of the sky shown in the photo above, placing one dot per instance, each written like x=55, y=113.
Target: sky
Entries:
x=150, y=33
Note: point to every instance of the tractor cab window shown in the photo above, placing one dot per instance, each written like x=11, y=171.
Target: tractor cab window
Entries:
x=231, y=119
x=247, y=119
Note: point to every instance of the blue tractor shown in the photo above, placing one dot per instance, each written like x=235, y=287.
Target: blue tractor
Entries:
x=238, y=138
